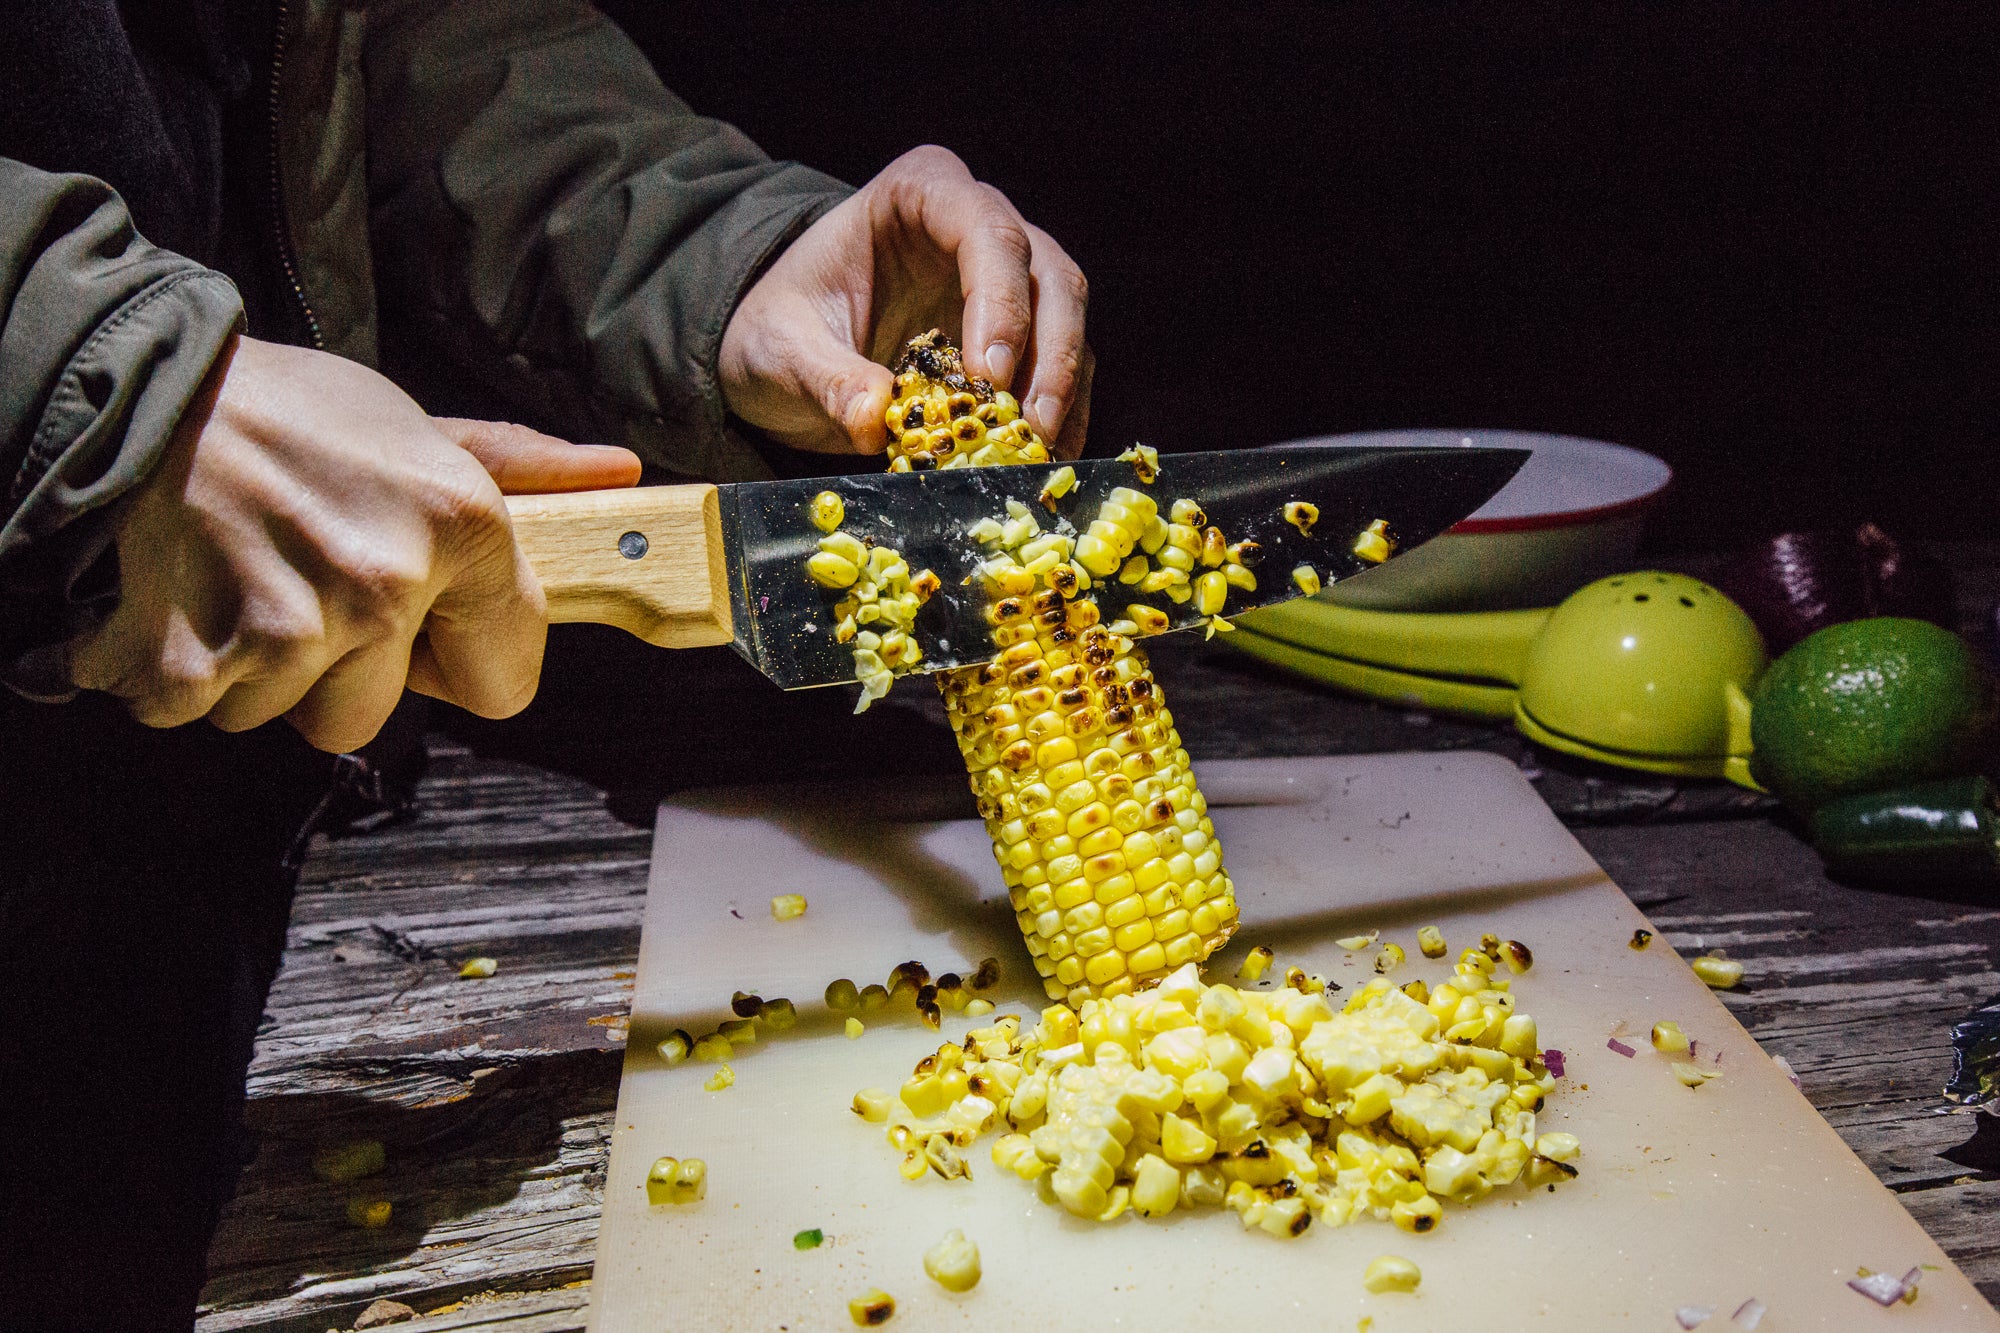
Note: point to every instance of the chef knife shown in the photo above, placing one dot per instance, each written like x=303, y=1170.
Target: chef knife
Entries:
x=702, y=565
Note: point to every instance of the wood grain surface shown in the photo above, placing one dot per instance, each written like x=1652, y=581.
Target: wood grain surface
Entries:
x=494, y=1097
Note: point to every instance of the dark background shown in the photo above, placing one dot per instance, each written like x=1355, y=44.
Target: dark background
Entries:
x=1757, y=241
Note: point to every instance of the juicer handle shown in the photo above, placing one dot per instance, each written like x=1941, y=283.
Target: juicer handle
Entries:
x=1485, y=646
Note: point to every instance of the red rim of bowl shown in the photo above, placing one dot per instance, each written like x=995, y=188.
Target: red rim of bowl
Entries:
x=1567, y=518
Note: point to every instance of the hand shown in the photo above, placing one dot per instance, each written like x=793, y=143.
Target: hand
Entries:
x=311, y=542
x=921, y=246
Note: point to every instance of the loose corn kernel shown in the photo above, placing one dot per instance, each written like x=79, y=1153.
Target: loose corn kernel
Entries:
x=854, y=1027
x=978, y=1008
x=828, y=511
x=1693, y=1074
x=677, y=1182
x=842, y=997
x=953, y=1263
x=1145, y=461
x=1640, y=939
x=1391, y=1273
x=872, y=1105
x=831, y=571
x=1375, y=544
x=872, y=1308
x=1306, y=578
x=1431, y=941
x=788, y=906
x=1390, y=958
x=1239, y=576
x=740, y=1031
x=778, y=1015
x=369, y=1214
x=345, y=1162
x=1059, y=484
x=1668, y=1037
x=676, y=1047
x=1254, y=963
x=1356, y=943
x=723, y=1077
x=873, y=997
x=1211, y=590
x=1558, y=1147
x=1718, y=973
x=1516, y=956
x=1302, y=515
x=713, y=1047
x=475, y=969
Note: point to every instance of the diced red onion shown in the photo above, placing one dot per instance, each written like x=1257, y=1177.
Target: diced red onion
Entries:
x=1693, y=1316
x=1882, y=1288
x=1552, y=1059
x=1628, y=1053
x=1749, y=1314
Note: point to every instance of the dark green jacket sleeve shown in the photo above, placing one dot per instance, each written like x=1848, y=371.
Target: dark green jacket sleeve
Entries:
x=104, y=340
x=546, y=213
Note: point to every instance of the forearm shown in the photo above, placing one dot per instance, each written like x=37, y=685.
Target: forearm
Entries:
x=533, y=182
x=104, y=340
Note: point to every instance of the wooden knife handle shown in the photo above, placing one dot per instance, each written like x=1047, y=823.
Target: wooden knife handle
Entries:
x=648, y=560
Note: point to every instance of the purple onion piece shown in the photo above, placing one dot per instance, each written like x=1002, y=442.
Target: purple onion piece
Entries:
x=1621, y=1048
x=1552, y=1059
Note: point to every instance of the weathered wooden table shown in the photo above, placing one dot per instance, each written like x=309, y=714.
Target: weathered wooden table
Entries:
x=495, y=1097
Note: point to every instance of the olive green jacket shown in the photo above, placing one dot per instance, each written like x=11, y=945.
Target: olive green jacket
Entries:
x=503, y=183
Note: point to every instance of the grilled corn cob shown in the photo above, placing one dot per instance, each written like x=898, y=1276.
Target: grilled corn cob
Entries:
x=1105, y=843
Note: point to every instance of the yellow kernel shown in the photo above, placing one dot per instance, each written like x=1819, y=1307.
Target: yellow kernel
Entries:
x=854, y=1027
x=1431, y=940
x=723, y=1077
x=828, y=510
x=1392, y=1273
x=1254, y=963
x=369, y=1214
x=475, y=969
x=1302, y=515
x=1375, y=544
x=1668, y=1038
x=1719, y=973
x=788, y=906
x=872, y=1308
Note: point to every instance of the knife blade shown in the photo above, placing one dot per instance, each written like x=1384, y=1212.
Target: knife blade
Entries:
x=687, y=566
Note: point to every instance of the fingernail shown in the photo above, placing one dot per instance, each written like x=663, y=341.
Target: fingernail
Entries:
x=1045, y=414
x=1000, y=363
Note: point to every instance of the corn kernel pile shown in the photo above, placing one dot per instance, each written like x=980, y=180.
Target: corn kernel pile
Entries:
x=1272, y=1104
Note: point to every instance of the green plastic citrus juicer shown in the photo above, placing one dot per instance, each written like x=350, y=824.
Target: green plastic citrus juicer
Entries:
x=1648, y=670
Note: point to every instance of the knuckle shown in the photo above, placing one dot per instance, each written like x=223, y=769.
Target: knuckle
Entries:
x=932, y=160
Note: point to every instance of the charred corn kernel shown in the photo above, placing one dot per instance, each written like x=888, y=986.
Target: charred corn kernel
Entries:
x=953, y=1263
x=778, y=1015
x=1668, y=1039
x=1306, y=579
x=723, y=1077
x=369, y=1214
x=475, y=969
x=1390, y=958
x=842, y=997
x=872, y=1105
x=1391, y=1272
x=1211, y=590
x=1718, y=973
x=854, y=1027
x=1375, y=544
x=1302, y=515
x=788, y=906
x=1516, y=956
x=344, y=1162
x=674, y=1181
x=677, y=1047
x=1431, y=941
x=872, y=1308
x=1693, y=1074
x=831, y=571
x=713, y=1047
x=1418, y=1216
x=1254, y=963
x=1640, y=939
x=1558, y=1147
x=1148, y=619
x=828, y=511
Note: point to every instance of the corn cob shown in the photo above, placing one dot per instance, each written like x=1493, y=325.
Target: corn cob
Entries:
x=1105, y=842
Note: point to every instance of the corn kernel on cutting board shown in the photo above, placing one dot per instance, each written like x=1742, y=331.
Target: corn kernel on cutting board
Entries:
x=1687, y=1197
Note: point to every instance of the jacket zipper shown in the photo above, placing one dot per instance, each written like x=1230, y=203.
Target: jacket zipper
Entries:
x=280, y=233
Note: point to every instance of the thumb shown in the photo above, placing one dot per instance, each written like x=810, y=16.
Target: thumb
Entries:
x=526, y=462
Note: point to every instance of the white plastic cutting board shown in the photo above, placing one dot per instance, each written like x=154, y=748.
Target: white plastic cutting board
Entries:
x=1687, y=1197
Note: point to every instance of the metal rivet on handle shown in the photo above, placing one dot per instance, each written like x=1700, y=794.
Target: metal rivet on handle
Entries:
x=632, y=545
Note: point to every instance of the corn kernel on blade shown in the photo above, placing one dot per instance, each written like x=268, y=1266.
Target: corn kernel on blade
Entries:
x=784, y=621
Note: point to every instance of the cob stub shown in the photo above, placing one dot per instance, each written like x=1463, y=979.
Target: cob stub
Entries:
x=1101, y=834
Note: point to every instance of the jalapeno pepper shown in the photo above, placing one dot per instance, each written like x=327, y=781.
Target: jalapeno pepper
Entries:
x=1947, y=830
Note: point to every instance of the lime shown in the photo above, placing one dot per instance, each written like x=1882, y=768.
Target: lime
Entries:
x=1866, y=705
